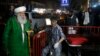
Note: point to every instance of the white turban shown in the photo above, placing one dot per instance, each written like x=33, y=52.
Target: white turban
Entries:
x=20, y=9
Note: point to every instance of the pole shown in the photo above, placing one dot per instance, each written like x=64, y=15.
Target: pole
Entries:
x=29, y=32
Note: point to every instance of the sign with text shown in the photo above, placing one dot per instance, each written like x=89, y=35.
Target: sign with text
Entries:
x=64, y=2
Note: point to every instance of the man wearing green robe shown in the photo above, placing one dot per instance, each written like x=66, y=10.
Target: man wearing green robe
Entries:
x=15, y=37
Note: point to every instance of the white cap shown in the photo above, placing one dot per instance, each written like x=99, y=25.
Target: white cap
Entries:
x=20, y=9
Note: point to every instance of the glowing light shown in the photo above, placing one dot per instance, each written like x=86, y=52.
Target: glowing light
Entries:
x=58, y=11
x=95, y=5
x=48, y=21
x=39, y=10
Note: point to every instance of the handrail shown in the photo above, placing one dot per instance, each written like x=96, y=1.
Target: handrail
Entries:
x=83, y=26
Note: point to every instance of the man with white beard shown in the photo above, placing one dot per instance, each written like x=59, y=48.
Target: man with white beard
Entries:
x=15, y=37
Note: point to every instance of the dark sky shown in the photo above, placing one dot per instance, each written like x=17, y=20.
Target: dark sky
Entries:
x=52, y=3
x=47, y=3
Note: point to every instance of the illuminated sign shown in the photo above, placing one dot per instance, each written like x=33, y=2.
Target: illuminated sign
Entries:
x=64, y=2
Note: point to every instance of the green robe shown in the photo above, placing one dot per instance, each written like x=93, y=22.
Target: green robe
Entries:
x=12, y=38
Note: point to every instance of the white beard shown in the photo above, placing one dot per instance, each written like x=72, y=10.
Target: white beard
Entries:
x=21, y=20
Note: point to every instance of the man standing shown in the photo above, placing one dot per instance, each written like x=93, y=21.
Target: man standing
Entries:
x=71, y=22
x=15, y=37
x=56, y=36
x=11, y=10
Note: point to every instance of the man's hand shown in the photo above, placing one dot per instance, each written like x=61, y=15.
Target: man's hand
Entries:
x=56, y=45
x=39, y=33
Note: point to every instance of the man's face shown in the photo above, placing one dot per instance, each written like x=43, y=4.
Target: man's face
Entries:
x=70, y=14
x=11, y=7
x=22, y=15
x=53, y=22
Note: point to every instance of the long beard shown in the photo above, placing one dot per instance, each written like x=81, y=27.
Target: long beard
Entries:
x=21, y=20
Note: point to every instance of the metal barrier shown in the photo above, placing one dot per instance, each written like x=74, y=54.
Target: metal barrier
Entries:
x=93, y=30
x=39, y=43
